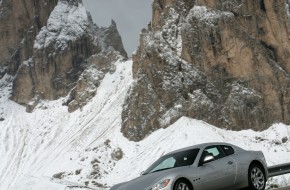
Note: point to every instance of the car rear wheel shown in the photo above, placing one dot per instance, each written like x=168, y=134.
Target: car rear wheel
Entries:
x=182, y=185
x=257, y=179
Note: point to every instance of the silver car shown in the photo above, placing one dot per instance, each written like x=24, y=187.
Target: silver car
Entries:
x=210, y=166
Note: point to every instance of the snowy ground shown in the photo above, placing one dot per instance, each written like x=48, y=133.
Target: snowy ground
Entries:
x=87, y=148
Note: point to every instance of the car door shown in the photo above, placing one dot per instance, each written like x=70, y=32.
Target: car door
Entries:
x=219, y=173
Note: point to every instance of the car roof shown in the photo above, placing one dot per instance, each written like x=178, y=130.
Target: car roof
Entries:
x=204, y=145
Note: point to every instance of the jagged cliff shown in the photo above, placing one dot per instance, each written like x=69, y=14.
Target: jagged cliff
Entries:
x=225, y=62
x=55, y=45
x=20, y=23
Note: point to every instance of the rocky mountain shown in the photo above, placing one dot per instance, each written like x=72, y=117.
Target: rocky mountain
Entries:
x=224, y=62
x=71, y=108
x=54, y=49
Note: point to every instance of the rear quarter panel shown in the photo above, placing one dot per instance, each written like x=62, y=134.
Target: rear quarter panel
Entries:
x=244, y=159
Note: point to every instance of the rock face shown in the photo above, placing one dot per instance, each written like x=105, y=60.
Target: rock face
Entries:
x=225, y=62
x=63, y=52
x=20, y=21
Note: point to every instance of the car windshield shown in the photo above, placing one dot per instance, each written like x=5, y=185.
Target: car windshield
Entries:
x=178, y=159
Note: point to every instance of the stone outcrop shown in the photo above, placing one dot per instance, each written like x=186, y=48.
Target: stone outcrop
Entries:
x=54, y=51
x=97, y=65
x=225, y=62
x=90, y=79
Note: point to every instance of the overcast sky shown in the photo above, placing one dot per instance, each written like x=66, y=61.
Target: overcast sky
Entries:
x=130, y=15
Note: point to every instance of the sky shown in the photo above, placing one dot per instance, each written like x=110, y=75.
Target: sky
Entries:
x=130, y=15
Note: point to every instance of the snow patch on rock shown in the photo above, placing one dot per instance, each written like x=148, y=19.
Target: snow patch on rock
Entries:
x=204, y=14
x=288, y=8
x=66, y=23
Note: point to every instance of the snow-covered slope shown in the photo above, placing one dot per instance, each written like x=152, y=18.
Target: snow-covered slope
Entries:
x=33, y=147
x=87, y=148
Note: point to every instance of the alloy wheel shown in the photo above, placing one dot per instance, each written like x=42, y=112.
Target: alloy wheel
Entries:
x=257, y=178
x=182, y=186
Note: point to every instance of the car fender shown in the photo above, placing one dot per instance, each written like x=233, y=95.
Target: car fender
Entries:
x=181, y=177
x=115, y=187
x=191, y=179
x=259, y=157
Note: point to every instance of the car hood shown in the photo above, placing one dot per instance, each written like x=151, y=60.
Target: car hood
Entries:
x=145, y=181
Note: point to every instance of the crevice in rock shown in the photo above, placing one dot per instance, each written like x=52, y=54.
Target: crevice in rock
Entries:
x=262, y=5
x=282, y=103
x=271, y=51
x=160, y=3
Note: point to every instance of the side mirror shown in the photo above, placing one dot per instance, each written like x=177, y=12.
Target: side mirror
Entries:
x=142, y=173
x=207, y=159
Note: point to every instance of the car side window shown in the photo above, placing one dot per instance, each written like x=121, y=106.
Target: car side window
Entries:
x=228, y=150
x=214, y=151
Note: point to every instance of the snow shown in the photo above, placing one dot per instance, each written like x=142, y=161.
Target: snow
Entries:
x=36, y=146
x=202, y=13
x=66, y=23
x=288, y=8
x=50, y=140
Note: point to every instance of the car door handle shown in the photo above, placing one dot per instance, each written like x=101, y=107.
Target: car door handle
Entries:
x=230, y=162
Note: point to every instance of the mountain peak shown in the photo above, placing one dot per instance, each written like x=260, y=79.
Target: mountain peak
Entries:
x=51, y=53
x=113, y=24
x=224, y=62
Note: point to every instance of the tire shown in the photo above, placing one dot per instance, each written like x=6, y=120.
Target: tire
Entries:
x=182, y=185
x=256, y=177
